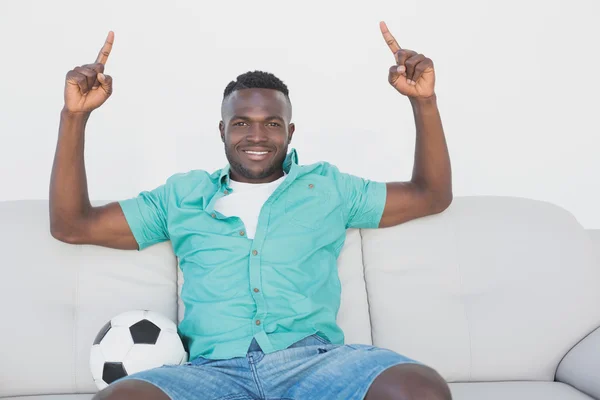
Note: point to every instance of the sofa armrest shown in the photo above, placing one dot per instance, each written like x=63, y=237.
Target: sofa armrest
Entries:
x=580, y=368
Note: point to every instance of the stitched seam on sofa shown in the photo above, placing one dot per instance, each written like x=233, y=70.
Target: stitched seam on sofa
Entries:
x=75, y=309
x=362, y=258
x=461, y=288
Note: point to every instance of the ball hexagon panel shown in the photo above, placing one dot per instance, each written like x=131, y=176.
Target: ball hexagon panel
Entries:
x=116, y=343
x=128, y=318
x=161, y=321
x=100, y=384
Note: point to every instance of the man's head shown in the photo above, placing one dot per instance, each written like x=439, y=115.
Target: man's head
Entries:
x=255, y=126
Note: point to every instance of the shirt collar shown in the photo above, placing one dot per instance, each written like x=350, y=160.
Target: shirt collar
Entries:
x=291, y=159
x=224, y=178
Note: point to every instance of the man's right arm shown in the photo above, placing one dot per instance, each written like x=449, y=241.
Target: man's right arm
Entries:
x=72, y=217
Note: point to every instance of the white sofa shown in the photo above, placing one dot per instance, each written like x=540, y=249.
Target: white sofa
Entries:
x=501, y=295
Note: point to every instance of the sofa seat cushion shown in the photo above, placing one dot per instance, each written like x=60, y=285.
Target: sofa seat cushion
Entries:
x=460, y=391
x=515, y=391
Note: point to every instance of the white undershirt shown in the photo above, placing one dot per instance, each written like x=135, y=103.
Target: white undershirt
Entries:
x=245, y=201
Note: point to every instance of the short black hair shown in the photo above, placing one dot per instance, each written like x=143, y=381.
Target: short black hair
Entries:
x=256, y=80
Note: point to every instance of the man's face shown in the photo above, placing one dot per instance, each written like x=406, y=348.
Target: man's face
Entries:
x=256, y=131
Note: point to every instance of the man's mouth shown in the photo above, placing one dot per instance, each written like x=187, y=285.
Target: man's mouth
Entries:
x=257, y=155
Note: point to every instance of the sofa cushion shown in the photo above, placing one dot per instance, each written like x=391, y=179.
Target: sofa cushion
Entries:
x=515, y=391
x=353, y=316
x=460, y=391
x=492, y=289
x=57, y=296
x=595, y=236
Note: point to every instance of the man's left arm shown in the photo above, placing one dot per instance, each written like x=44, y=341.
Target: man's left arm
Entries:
x=430, y=189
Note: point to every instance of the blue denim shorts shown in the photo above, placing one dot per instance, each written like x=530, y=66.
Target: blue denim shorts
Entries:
x=309, y=369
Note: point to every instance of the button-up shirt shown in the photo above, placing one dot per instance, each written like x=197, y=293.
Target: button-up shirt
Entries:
x=278, y=287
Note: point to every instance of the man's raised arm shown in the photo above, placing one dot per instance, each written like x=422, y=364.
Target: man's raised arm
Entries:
x=72, y=218
x=430, y=189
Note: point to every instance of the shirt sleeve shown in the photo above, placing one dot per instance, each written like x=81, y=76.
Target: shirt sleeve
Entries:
x=146, y=215
x=364, y=200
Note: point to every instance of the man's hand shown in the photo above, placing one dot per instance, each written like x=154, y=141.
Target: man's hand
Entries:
x=86, y=87
x=413, y=74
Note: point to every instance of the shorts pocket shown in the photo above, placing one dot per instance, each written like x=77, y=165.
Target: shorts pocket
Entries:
x=198, y=361
x=320, y=339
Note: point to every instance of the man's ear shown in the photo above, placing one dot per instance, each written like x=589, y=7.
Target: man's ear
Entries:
x=291, y=129
x=222, y=130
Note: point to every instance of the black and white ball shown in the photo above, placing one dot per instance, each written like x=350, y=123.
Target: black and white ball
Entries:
x=134, y=341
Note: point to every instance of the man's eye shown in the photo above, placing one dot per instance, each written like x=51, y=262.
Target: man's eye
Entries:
x=239, y=123
x=273, y=124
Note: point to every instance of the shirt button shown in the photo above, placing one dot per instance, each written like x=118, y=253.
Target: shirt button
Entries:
x=242, y=233
x=258, y=322
x=256, y=290
x=226, y=191
x=254, y=252
x=213, y=215
x=311, y=186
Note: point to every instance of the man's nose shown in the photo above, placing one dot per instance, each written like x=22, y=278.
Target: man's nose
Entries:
x=257, y=133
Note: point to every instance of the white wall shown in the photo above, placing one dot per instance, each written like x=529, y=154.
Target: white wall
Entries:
x=517, y=85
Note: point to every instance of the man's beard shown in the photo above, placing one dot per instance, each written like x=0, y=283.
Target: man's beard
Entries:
x=237, y=166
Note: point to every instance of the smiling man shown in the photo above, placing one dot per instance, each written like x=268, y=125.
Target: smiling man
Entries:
x=256, y=156
x=257, y=242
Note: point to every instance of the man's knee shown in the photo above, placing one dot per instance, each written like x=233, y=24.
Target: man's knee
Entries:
x=131, y=390
x=409, y=382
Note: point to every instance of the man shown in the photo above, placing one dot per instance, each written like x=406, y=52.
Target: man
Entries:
x=257, y=243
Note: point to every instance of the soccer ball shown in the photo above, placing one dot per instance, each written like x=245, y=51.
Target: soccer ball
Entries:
x=134, y=341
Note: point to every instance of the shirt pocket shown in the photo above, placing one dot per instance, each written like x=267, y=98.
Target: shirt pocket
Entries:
x=308, y=205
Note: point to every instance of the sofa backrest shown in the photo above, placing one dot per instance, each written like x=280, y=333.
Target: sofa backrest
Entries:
x=595, y=236
x=55, y=297
x=492, y=289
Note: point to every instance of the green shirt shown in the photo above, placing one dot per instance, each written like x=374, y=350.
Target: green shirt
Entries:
x=278, y=287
